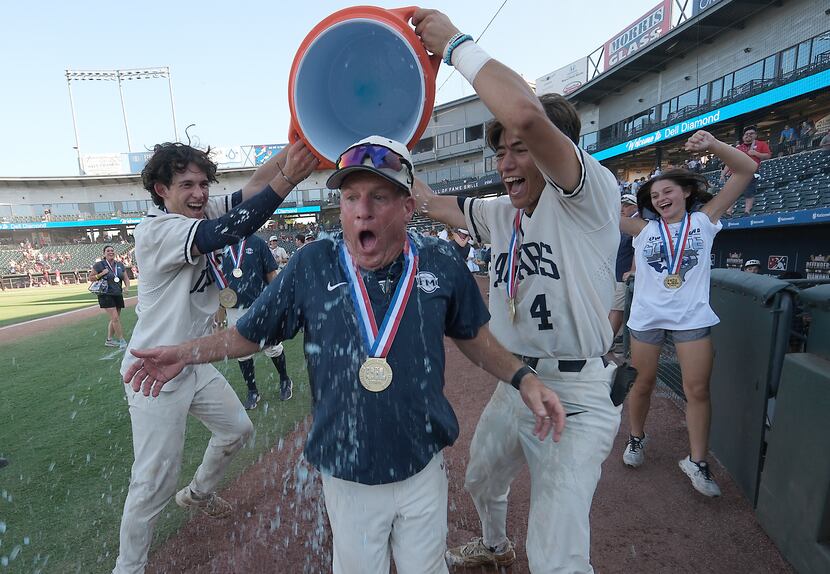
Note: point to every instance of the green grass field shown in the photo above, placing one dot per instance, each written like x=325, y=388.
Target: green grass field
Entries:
x=65, y=428
x=18, y=305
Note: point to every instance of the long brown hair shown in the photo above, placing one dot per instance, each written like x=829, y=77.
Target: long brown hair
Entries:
x=696, y=184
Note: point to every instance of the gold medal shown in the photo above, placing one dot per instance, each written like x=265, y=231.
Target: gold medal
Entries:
x=375, y=374
x=672, y=281
x=227, y=298
x=237, y=272
x=511, y=308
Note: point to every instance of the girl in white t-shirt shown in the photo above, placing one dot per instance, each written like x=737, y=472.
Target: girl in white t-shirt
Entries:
x=672, y=260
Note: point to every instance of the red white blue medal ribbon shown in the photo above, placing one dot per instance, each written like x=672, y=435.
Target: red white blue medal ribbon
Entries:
x=216, y=267
x=513, y=256
x=674, y=250
x=237, y=258
x=379, y=340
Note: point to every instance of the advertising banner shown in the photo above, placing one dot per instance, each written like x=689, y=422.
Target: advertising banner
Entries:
x=101, y=164
x=565, y=80
x=774, y=96
x=138, y=160
x=645, y=30
x=699, y=6
x=263, y=153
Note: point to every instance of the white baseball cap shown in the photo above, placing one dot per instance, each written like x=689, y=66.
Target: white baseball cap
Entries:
x=629, y=199
x=273, y=238
x=751, y=262
x=367, y=155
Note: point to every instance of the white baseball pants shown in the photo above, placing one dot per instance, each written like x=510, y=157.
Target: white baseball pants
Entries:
x=234, y=314
x=405, y=519
x=563, y=475
x=158, y=440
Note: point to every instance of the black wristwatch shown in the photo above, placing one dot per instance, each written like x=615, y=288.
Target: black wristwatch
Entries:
x=516, y=381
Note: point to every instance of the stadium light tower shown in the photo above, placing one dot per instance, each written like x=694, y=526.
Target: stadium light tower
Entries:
x=118, y=76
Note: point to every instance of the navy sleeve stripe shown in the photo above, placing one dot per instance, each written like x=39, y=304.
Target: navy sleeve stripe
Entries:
x=469, y=214
x=188, y=243
x=579, y=186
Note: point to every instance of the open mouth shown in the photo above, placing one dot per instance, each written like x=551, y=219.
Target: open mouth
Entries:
x=515, y=185
x=367, y=239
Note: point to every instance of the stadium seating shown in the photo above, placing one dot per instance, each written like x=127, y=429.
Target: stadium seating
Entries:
x=789, y=183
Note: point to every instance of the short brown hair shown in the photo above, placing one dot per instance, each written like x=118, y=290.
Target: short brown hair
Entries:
x=559, y=111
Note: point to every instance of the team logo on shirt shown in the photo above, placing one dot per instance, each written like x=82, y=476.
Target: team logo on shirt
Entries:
x=249, y=251
x=427, y=282
x=534, y=259
x=657, y=258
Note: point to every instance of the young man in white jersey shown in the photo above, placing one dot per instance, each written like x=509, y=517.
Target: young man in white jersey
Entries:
x=179, y=245
x=554, y=239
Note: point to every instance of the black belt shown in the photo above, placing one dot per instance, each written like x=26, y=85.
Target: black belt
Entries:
x=565, y=366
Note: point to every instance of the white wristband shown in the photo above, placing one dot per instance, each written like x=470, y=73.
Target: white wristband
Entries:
x=468, y=59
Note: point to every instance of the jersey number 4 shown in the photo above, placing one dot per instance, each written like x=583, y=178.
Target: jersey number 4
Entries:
x=539, y=310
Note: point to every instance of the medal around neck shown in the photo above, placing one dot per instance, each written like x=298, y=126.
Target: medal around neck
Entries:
x=674, y=251
x=237, y=258
x=672, y=281
x=376, y=374
x=227, y=298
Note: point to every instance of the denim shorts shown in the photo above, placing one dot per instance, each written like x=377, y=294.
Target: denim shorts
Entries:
x=657, y=336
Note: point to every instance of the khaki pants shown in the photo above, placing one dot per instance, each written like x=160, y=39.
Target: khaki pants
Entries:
x=563, y=476
x=407, y=519
x=158, y=440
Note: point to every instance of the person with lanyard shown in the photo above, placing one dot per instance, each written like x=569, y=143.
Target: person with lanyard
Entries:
x=248, y=267
x=554, y=236
x=374, y=305
x=671, y=295
x=111, y=299
x=178, y=295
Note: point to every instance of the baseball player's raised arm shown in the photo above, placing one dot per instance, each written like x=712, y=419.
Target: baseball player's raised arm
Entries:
x=443, y=208
x=507, y=95
x=156, y=367
x=257, y=206
x=486, y=352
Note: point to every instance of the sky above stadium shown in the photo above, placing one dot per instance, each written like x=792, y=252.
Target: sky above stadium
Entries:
x=230, y=64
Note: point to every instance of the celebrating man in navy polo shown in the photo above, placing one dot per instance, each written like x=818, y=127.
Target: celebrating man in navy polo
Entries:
x=374, y=306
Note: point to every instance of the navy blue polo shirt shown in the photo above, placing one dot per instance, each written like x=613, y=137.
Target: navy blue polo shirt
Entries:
x=257, y=263
x=359, y=435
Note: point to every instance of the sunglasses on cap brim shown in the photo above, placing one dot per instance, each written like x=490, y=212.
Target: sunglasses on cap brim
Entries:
x=382, y=158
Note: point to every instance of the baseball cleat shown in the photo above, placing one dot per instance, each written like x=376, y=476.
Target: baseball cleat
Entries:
x=476, y=553
x=252, y=400
x=286, y=389
x=634, y=453
x=212, y=505
x=701, y=477
x=111, y=343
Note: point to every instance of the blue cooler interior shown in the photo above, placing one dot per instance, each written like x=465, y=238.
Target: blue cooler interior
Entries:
x=358, y=78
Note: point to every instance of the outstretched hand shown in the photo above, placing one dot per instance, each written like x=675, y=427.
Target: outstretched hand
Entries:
x=154, y=369
x=545, y=405
x=701, y=141
x=434, y=28
x=299, y=162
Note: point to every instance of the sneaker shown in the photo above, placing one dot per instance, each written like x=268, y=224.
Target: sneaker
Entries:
x=286, y=389
x=634, y=455
x=475, y=553
x=3, y=462
x=252, y=400
x=122, y=344
x=213, y=505
x=111, y=343
x=701, y=477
